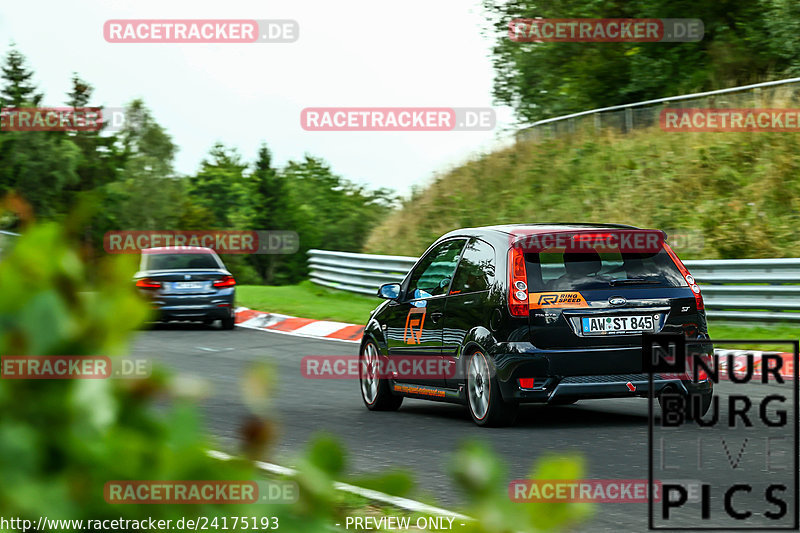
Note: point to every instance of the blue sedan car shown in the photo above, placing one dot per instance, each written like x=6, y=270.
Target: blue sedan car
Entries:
x=187, y=283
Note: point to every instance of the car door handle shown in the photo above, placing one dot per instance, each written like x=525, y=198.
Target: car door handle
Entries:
x=435, y=317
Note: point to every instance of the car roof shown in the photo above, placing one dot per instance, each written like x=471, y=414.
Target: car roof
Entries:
x=177, y=249
x=533, y=229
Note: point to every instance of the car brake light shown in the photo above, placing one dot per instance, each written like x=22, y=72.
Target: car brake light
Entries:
x=225, y=281
x=698, y=298
x=147, y=283
x=591, y=237
x=517, y=283
x=525, y=383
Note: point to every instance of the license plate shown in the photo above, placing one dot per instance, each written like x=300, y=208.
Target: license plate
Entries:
x=609, y=325
x=187, y=285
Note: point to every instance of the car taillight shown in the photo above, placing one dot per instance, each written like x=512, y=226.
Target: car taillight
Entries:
x=225, y=281
x=147, y=283
x=526, y=383
x=593, y=237
x=517, y=283
x=698, y=298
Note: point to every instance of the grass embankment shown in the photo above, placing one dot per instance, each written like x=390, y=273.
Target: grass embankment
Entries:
x=308, y=301
x=731, y=331
x=740, y=190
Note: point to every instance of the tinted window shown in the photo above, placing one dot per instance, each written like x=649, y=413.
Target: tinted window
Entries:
x=432, y=276
x=476, y=269
x=178, y=261
x=559, y=269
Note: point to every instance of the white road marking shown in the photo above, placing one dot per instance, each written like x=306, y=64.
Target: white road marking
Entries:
x=403, y=503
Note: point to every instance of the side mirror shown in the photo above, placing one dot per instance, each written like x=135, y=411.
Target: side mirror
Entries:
x=389, y=291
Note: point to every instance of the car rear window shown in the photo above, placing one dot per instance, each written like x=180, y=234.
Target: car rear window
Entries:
x=179, y=261
x=559, y=270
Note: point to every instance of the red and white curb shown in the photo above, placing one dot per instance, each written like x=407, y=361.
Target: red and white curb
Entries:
x=739, y=360
x=302, y=327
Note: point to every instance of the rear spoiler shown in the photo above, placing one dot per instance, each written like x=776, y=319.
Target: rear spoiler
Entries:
x=585, y=240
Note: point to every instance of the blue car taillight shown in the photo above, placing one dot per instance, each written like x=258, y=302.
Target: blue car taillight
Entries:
x=225, y=281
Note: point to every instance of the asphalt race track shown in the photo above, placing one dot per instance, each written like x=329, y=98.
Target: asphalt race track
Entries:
x=611, y=434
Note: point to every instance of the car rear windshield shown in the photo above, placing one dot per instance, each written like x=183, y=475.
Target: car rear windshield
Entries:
x=178, y=261
x=559, y=269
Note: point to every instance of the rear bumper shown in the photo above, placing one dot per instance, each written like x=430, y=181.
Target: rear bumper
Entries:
x=581, y=374
x=194, y=307
x=619, y=386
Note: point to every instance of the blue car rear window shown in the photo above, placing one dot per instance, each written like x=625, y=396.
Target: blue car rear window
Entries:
x=179, y=261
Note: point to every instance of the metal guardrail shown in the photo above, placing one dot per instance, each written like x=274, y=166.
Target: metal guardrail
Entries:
x=362, y=273
x=758, y=290
x=627, y=117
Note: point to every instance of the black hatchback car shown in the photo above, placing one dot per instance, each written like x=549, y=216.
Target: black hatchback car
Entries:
x=532, y=314
x=187, y=283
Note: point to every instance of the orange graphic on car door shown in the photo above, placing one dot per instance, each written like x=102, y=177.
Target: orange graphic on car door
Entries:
x=414, y=322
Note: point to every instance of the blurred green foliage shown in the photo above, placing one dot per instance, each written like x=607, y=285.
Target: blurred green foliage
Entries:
x=483, y=477
x=61, y=441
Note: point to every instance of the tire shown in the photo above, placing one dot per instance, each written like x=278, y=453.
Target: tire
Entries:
x=703, y=401
x=484, y=401
x=228, y=322
x=375, y=391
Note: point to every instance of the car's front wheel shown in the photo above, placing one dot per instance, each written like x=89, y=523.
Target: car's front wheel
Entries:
x=484, y=400
x=374, y=390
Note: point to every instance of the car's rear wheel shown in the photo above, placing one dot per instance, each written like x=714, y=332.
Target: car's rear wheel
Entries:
x=374, y=390
x=484, y=400
x=700, y=402
x=229, y=322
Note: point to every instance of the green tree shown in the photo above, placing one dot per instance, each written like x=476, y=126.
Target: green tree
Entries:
x=331, y=212
x=744, y=42
x=38, y=166
x=18, y=87
x=271, y=209
x=101, y=157
x=222, y=188
x=147, y=194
